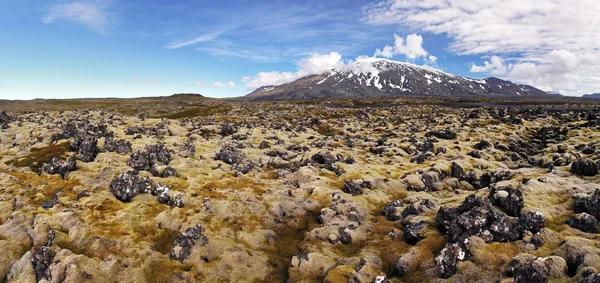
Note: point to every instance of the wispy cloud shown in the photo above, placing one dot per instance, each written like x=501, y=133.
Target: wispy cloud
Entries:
x=92, y=14
x=201, y=38
x=222, y=84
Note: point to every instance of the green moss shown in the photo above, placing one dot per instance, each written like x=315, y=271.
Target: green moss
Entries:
x=38, y=156
x=200, y=111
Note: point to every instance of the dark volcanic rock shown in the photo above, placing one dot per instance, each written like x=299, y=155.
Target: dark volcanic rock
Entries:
x=140, y=160
x=354, y=187
x=509, y=198
x=230, y=155
x=413, y=231
x=448, y=134
x=530, y=271
x=119, y=146
x=60, y=167
x=483, y=144
x=448, y=258
x=185, y=241
x=41, y=258
x=589, y=204
x=168, y=172
x=162, y=193
x=584, y=167
x=392, y=210
x=128, y=184
x=86, y=147
x=228, y=129
x=584, y=222
x=417, y=208
x=323, y=158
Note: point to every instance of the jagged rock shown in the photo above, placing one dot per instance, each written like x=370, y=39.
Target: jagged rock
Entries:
x=457, y=171
x=448, y=258
x=185, y=241
x=159, y=152
x=447, y=134
x=60, y=167
x=168, y=172
x=393, y=210
x=584, y=167
x=140, y=160
x=584, y=222
x=589, y=204
x=323, y=158
x=593, y=278
x=264, y=145
x=119, y=146
x=188, y=149
x=377, y=150
x=355, y=187
x=176, y=201
x=483, y=144
x=417, y=208
x=413, y=231
x=128, y=184
x=509, y=198
x=41, y=258
x=48, y=204
x=532, y=221
x=86, y=147
x=230, y=155
x=528, y=269
x=228, y=129
x=162, y=193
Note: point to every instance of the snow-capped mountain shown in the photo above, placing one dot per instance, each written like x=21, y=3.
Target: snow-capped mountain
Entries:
x=375, y=77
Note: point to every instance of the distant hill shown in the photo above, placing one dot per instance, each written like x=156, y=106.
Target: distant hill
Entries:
x=592, y=96
x=386, y=78
x=187, y=95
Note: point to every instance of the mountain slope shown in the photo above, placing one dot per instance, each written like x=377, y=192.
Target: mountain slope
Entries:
x=592, y=96
x=374, y=77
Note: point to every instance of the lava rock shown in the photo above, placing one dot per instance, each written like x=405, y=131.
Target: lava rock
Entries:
x=584, y=167
x=589, y=204
x=392, y=210
x=584, y=222
x=168, y=172
x=188, y=149
x=185, y=241
x=228, y=129
x=140, y=160
x=483, y=144
x=176, y=201
x=323, y=158
x=86, y=147
x=448, y=258
x=230, y=155
x=417, y=208
x=41, y=258
x=119, y=146
x=509, y=198
x=355, y=187
x=457, y=171
x=447, y=134
x=60, y=167
x=162, y=193
x=530, y=271
x=128, y=184
x=414, y=230
x=532, y=221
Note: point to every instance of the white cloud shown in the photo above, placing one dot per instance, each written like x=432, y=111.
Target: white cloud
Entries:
x=197, y=83
x=551, y=43
x=92, y=14
x=413, y=48
x=432, y=59
x=222, y=84
x=494, y=66
x=316, y=63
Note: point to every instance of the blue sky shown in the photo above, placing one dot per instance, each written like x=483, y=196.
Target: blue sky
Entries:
x=111, y=48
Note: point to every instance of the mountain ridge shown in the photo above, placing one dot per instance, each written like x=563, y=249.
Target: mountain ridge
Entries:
x=375, y=77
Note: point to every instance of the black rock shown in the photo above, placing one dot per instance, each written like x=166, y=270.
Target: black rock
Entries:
x=162, y=193
x=185, y=241
x=48, y=204
x=228, y=129
x=584, y=222
x=168, y=172
x=448, y=134
x=532, y=221
x=159, y=153
x=531, y=271
x=140, y=160
x=323, y=158
x=392, y=211
x=509, y=198
x=589, y=204
x=483, y=144
x=86, y=147
x=230, y=155
x=41, y=258
x=448, y=258
x=417, y=208
x=354, y=187
x=176, y=201
x=457, y=171
x=264, y=145
x=119, y=146
x=128, y=184
x=60, y=167
x=592, y=278
x=584, y=167
x=413, y=231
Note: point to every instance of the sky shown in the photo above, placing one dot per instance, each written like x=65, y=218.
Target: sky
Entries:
x=116, y=48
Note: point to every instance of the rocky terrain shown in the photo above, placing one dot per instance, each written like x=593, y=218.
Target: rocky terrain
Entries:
x=193, y=190
x=376, y=77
